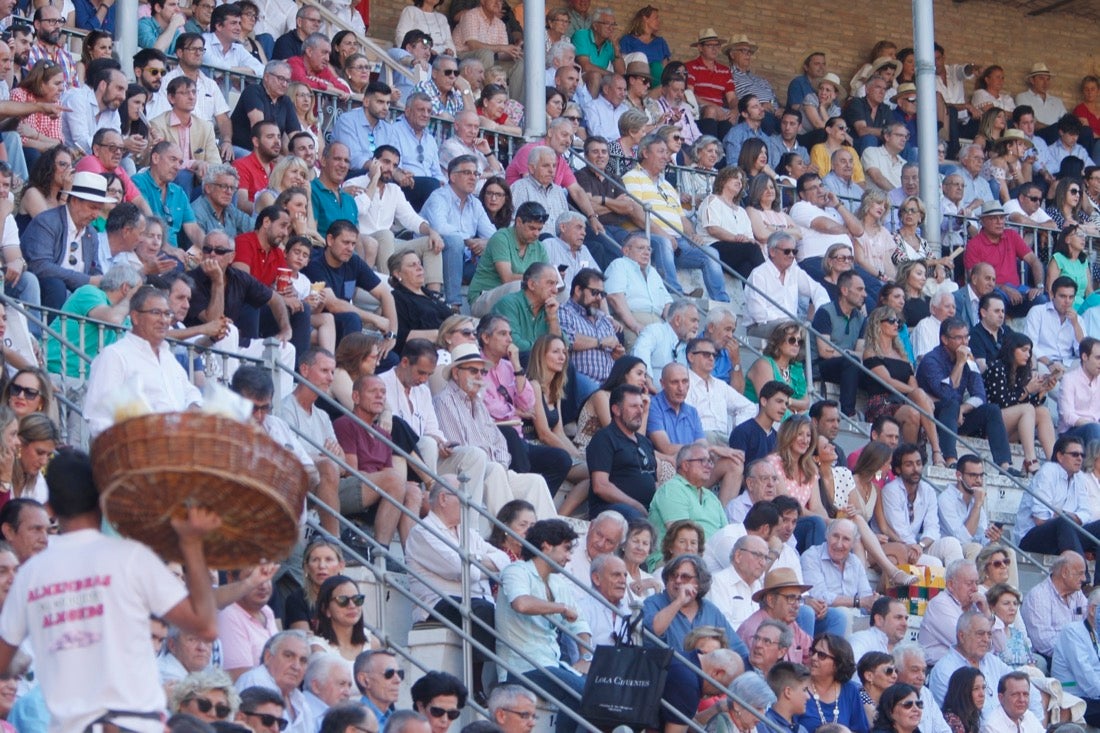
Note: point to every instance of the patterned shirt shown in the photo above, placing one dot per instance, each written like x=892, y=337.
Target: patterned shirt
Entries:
x=468, y=422
x=477, y=26
x=60, y=56
x=709, y=85
x=748, y=83
x=451, y=105
x=575, y=321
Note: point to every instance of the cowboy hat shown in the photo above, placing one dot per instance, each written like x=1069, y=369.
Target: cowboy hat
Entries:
x=90, y=187
x=777, y=580
x=707, y=34
x=465, y=354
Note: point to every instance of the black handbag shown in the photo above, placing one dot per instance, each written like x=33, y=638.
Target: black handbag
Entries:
x=625, y=683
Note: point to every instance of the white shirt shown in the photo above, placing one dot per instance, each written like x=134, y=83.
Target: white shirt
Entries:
x=276, y=17
x=1053, y=336
x=888, y=165
x=784, y=289
x=999, y=722
x=925, y=522
x=603, y=119
x=388, y=205
x=1047, y=111
x=869, y=640
x=815, y=244
x=733, y=596
x=1013, y=207
x=85, y=117
x=156, y=377
x=232, y=57
x=300, y=714
x=925, y=336
x=603, y=623
x=209, y=100
x=414, y=407
x=721, y=407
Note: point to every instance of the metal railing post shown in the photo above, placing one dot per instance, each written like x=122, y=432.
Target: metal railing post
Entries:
x=467, y=523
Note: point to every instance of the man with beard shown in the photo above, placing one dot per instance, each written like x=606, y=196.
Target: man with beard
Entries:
x=50, y=46
x=267, y=144
x=590, y=330
x=150, y=66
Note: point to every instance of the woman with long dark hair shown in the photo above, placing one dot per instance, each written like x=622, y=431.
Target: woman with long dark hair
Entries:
x=49, y=176
x=962, y=704
x=1012, y=385
x=899, y=710
x=338, y=619
x=496, y=197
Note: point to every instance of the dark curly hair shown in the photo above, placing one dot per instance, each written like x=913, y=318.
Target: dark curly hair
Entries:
x=551, y=532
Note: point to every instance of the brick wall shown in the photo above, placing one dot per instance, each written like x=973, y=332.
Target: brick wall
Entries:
x=977, y=30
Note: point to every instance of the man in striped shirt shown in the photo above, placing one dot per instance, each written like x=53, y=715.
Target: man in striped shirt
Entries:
x=712, y=83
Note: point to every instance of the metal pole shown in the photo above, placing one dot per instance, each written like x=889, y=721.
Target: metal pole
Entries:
x=534, y=67
x=927, y=137
x=126, y=23
x=464, y=551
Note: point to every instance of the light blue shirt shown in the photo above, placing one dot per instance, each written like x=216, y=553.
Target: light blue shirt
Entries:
x=737, y=136
x=420, y=155
x=973, y=188
x=448, y=215
x=953, y=513
x=644, y=292
x=1056, y=153
x=658, y=345
x=602, y=119
x=353, y=130
x=1077, y=661
x=829, y=580
x=992, y=668
x=776, y=149
x=535, y=635
x=850, y=190
x=1057, y=488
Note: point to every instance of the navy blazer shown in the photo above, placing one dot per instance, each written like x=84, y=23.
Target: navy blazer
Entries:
x=45, y=247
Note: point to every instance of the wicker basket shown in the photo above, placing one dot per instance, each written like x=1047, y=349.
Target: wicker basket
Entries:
x=148, y=468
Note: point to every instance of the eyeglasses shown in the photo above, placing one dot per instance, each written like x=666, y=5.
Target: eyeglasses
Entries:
x=684, y=577
x=158, y=313
x=267, y=720
x=572, y=118
x=51, y=21
x=113, y=148
x=467, y=332
x=208, y=250
x=790, y=597
x=200, y=49
x=758, y=639
x=1034, y=199
x=1001, y=563
x=597, y=293
x=345, y=601
x=758, y=555
x=708, y=354
x=389, y=673
x=221, y=710
x=227, y=187
x=280, y=78
x=18, y=390
x=474, y=370
x=446, y=72
x=451, y=714
x=1074, y=454
x=909, y=704
x=494, y=194
x=821, y=654
x=842, y=258
x=794, y=340
x=262, y=409
x=524, y=716
x=708, y=459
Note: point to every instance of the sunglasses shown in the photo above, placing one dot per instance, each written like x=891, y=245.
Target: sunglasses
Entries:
x=267, y=720
x=909, y=704
x=389, y=673
x=449, y=72
x=788, y=251
x=889, y=671
x=221, y=710
x=467, y=332
x=597, y=293
x=820, y=654
x=794, y=340
x=1034, y=199
x=708, y=354
x=18, y=390
x=208, y=250
x=1075, y=190
x=1000, y=563
x=345, y=601
x=891, y=320
x=156, y=72
x=451, y=714
x=572, y=118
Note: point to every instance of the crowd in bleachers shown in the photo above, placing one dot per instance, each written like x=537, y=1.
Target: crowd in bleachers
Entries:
x=559, y=322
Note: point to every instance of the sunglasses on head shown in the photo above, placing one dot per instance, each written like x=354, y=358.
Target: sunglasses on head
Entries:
x=437, y=712
x=267, y=720
x=221, y=710
x=208, y=250
x=345, y=601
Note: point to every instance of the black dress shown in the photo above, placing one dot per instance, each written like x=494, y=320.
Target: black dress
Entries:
x=416, y=312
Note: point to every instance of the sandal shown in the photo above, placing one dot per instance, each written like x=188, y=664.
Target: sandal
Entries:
x=940, y=462
x=1032, y=467
x=900, y=577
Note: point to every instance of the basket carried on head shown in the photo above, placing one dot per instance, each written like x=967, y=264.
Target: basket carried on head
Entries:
x=151, y=467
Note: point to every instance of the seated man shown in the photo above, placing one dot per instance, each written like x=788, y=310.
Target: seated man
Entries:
x=987, y=335
x=782, y=280
x=910, y=511
x=721, y=408
x=824, y=220
x=215, y=208
x=609, y=578
x=185, y=653
x=1076, y=662
x=842, y=320
x=962, y=508
x=733, y=587
x=617, y=211
x=621, y=460
x=567, y=251
x=1056, y=602
x=1054, y=327
x=1066, y=146
x=950, y=377
x=961, y=594
x=374, y=460
x=926, y=334
x=1012, y=713
x=282, y=669
x=769, y=645
x=603, y=112
x=1079, y=398
x=468, y=140
x=665, y=342
x=507, y=255
x=106, y=157
x=981, y=280
x=1027, y=208
x=756, y=438
x=889, y=625
x=869, y=115
x=780, y=598
x=538, y=185
x=590, y=332
x=378, y=678
x=166, y=199
x=1003, y=249
x=688, y=494
x=636, y=294
x=837, y=578
x=606, y=531
x=245, y=627
x=841, y=179
x=533, y=309
x=327, y=684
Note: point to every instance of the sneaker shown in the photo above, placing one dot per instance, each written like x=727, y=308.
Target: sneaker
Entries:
x=358, y=545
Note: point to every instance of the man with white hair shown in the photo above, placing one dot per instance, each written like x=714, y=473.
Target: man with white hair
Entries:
x=605, y=534
x=282, y=668
x=609, y=579
x=782, y=280
x=185, y=653
x=975, y=187
x=513, y=708
x=538, y=185
x=913, y=670
x=719, y=327
x=603, y=112
x=837, y=578
x=327, y=683
x=1056, y=602
x=567, y=251
x=468, y=140
x=926, y=334
x=636, y=294
x=1076, y=659
x=665, y=342
x=733, y=586
x=961, y=594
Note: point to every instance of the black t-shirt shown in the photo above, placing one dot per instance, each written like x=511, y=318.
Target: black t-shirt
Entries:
x=416, y=312
x=287, y=45
x=253, y=97
x=241, y=289
x=631, y=466
x=751, y=438
x=915, y=311
x=296, y=609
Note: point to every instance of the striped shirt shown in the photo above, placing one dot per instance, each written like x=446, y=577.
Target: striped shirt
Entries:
x=709, y=85
x=467, y=422
x=749, y=83
x=658, y=194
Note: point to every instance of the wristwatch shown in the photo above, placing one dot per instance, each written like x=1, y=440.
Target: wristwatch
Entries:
x=389, y=335
x=586, y=657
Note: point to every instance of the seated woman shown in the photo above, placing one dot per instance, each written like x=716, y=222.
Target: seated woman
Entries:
x=492, y=107
x=635, y=552
x=289, y=172
x=794, y=461
x=321, y=561
x=876, y=671
x=299, y=205
x=624, y=151
x=517, y=515
x=836, y=137
x=455, y=330
x=356, y=354
x=989, y=92
x=838, y=259
x=899, y=710
x=44, y=82
x=704, y=155
x=682, y=537
x=724, y=225
x=910, y=245
x=754, y=159
x=893, y=295
x=338, y=620
x=790, y=168
x=1011, y=644
x=962, y=705
x=1071, y=260
x=885, y=356
x=418, y=314
x=991, y=128
x=995, y=566
x=208, y=695
x=1009, y=166
x=1020, y=392
x=766, y=212
x=876, y=245
x=834, y=696
x=819, y=107
x=50, y=175
x=911, y=278
x=781, y=362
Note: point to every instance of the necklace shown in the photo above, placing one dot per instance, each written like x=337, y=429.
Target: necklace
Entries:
x=820, y=712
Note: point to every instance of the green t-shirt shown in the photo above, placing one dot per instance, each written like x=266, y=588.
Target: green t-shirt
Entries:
x=503, y=247
x=586, y=46
x=83, y=301
x=526, y=326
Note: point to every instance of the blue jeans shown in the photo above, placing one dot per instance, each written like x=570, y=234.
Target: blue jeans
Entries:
x=1088, y=433
x=557, y=682
x=14, y=145
x=982, y=420
x=690, y=256
x=867, y=141
x=454, y=245
x=809, y=531
x=27, y=290
x=835, y=621
x=665, y=262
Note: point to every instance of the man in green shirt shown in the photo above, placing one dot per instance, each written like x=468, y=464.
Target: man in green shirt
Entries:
x=507, y=256
x=688, y=494
x=533, y=310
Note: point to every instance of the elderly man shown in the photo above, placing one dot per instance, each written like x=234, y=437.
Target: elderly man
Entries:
x=673, y=424
x=367, y=127
x=680, y=247
x=435, y=565
x=533, y=309
x=1076, y=660
x=884, y=164
x=506, y=257
x=621, y=460
x=61, y=247
x=719, y=327
x=606, y=532
x=974, y=648
x=721, y=408
x=782, y=280
x=449, y=93
x=751, y=111
x=837, y=578
x=824, y=220
x=106, y=151
x=975, y=187
x=142, y=359
x=609, y=578
x=327, y=683
x=937, y=630
x=1047, y=108
x=1056, y=602
x=962, y=508
x=910, y=511
x=842, y=320
x=987, y=335
x=312, y=68
x=378, y=679
x=457, y=215
x=1054, y=328
x=481, y=34
x=841, y=179
x=665, y=342
x=186, y=653
x=465, y=420
x=282, y=669
x=673, y=103
x=265, y=101
x=733, y=587
x=513, y=708
x=1079, y=399
x=166, y=199
x=981, y=280
x=215, y=209
x=913, y=670
x=345, y=272
x=193, y=135
x=712, y=83
x=597, y=48
x=421, y=172
x=687, y=495
x=306, y=21
x=926, y=334
x=950, y=377
x=567, y=251
x=636, y=292
x=769, y=645
x=889, y=625
x=1027, y=208
x=780, y=599
x=538, y=186
x=467, y=140
x=25, y=525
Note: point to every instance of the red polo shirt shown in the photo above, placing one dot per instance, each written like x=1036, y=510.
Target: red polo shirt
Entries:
x=262, y=265
x=253, y=174
x=1005, y=255
x=709, y=86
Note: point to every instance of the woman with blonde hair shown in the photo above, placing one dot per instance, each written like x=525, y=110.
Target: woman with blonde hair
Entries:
x=781, y=362
x=875, y=247
x=289, y=171
x=884, y=355
x=794, y=460
x=455, y=330
x=39, y=437
x=624, y=151
x=301, y=96
x=208, y=695
x=910, y=245
x=322, y=560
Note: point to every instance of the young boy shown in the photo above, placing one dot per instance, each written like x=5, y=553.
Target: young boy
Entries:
x=298, y=250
